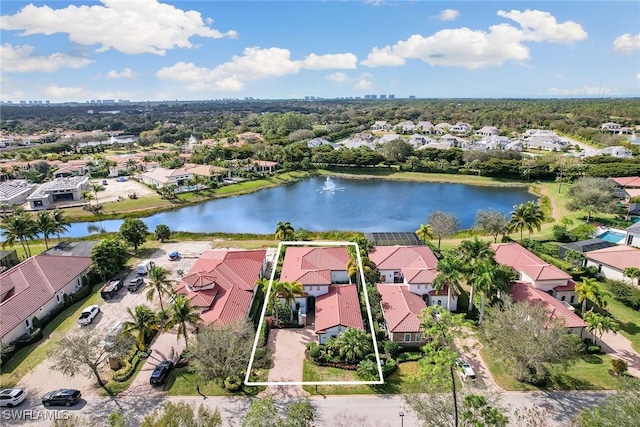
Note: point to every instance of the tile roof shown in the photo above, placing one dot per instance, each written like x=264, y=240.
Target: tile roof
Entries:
x=627, y=181
x=521, y=291
x=228, y=279
x=30, y=284
x=300, y=261
x=517, y=257
x=619, y=257
x=396, y=257
x=339, y=306
x=402, y=309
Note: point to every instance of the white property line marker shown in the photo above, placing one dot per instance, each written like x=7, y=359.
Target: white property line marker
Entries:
x=264, y=311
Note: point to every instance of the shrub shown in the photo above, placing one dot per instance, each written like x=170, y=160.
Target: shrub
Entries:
x=594, y=349
x=367, y=370
x=625, y=293
x=392, y=348
x=619, y=366
x=409, y=356
x=389, y=368
x=127, y=370
x=232, y=383
x=314, y=350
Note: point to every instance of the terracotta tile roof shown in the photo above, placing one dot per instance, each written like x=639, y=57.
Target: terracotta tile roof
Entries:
x=397, y=257
x=419, y=276
x=340, y=306
x=570, y=286
x=619, y=257
x=521, y=291
x=230, y=277
x=520, y=259
x=627, y=181
x=299, y=261
x=30, y=284
x=402, y=309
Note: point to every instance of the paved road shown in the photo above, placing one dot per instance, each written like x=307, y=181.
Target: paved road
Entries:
x=352, y=411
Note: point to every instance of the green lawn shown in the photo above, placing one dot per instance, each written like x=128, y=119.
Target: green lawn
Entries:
x=27, y=358
x=628, y=318
x=401, y=381
x=591, y=372
x=182, y=382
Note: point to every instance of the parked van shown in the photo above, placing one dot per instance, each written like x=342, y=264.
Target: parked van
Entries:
x=145, y=267
x=112, y=334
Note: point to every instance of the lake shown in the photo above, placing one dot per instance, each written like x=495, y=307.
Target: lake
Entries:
x=337, y=204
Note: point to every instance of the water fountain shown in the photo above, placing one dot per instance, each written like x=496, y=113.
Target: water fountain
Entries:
x=330, y=186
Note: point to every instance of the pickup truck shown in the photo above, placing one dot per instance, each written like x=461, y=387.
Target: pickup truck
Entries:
x=111, y=288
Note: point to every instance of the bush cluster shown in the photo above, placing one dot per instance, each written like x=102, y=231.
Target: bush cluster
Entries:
x=627, y=294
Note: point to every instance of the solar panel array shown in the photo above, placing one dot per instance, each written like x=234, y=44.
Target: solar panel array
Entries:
x=401, y=238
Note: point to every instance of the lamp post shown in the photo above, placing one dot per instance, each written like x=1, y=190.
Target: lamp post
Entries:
x=401, y=418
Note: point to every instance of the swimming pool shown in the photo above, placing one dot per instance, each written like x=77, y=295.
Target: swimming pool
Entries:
x=612, y=236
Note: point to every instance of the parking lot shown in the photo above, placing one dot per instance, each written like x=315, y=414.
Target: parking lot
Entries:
x=42, y=378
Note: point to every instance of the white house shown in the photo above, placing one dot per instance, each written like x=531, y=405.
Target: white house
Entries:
x=611, y=262
x=15, y=192
x=486, y=131
x=35, y=287
x=380, y=125
x=633, y=235
x=611, y=127
x=58, y=190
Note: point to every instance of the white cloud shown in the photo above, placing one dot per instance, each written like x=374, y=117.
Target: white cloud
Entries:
x=124, y=74
x=626, y=43
x=337, y=77
x=21, y=59
x=583, y=91
x=464, y=47
x=140, y=26
x=63, y=92
x=448, y=15
x=364, y=82
x=254, y=64
x=541, y=26
x=638, y=76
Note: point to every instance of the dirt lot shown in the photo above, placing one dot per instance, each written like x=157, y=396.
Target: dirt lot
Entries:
x=115, y=189
x=42, y=379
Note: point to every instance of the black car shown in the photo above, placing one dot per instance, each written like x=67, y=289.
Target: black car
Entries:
x=160, y=374
x=62, y=397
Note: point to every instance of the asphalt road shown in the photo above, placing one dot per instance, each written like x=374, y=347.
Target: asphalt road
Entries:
x=352, y=411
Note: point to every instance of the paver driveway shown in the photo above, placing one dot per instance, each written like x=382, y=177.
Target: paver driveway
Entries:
x=288, y=346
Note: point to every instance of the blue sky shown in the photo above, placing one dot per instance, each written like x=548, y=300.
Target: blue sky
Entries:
x=189, y=50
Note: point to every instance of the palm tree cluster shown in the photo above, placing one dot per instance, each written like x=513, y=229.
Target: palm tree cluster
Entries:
x=23, y=227
x=284, y=231
x=472, y=262
x=282, y=295
x=351, y=346
x=527, y=216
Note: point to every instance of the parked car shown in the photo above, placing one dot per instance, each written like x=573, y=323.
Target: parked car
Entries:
x=134, y=284
x=145, y=267
x=174, y=256
x=465, y=370
x=11, y=397
x=88, y=314
x=110, y=338
x=104, y=182
x=161, y=372
x=62, y=397
x=111, y=288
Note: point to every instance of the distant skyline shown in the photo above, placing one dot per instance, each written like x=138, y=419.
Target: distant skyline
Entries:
x=149, y=50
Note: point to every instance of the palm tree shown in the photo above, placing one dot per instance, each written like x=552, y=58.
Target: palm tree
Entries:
x=353, y=344
x=86, y=195
x=450, y=274
x=284, y=231
x=273, y=295
x=424, y=232
x=142, y=324
x=158, y=284
x=489, y=277
x=96, y=188
x=61, y=223
x=589, y=289
x=471, y=252
x=289, y=291
x=598, y=324
x=519, y=219
x=632, y=273
x=45, y=225
x=20, y=227
x=182, y=314
x=535, y=216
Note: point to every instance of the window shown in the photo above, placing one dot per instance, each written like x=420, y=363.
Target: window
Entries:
x=563, y=298
x=418, y=337
x=439, y=302
x=57, y=297
x=383, y=278
x=407, y=337
x=28, y=323
x=317, y=288
x=599, y=268
x=572, y=299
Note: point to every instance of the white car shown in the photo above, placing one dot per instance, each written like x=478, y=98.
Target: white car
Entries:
x=88, y=314
x=12, y=397
x=465, y=370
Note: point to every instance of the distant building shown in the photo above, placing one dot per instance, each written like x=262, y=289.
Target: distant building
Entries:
x=60, y=189
x=15, y=192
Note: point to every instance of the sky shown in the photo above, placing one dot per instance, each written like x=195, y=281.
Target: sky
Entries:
x=152, y=50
